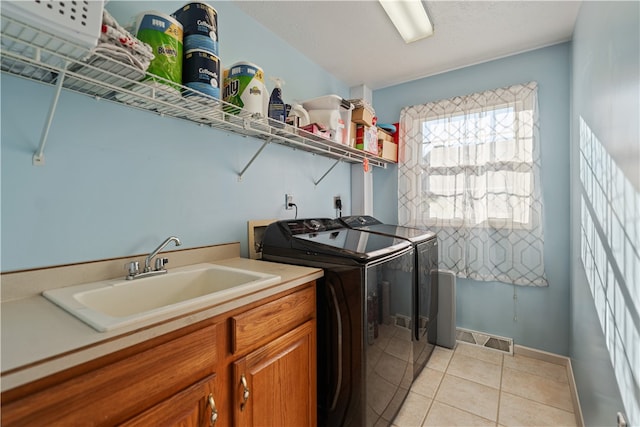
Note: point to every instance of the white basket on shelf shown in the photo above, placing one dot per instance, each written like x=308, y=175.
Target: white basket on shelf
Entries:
x=51, y=31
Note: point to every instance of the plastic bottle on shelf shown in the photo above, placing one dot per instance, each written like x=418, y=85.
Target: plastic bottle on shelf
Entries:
x=297, y=111
x=277, y=110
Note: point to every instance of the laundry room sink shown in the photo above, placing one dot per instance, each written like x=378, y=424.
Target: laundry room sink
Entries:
x=113, y=304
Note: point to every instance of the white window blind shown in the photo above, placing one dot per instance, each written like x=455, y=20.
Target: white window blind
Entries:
x=469, y=169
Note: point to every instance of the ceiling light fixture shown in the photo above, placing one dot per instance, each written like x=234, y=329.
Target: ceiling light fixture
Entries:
x=409, y=17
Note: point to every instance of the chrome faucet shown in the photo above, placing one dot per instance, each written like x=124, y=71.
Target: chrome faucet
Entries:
x=133, y=267
x=147, y=261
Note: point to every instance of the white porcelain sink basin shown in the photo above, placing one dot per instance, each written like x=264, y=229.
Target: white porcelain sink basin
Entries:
x=116, y=303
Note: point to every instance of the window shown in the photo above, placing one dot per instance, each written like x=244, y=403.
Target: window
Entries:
x=469, y=171
x=475, y=155
x=610, y=254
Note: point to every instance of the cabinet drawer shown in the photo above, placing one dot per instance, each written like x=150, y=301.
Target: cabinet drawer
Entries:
x=115, y=392
x=261, y=324
x=189, y=407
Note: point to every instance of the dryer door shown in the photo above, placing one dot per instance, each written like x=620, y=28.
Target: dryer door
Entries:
x=389, y=312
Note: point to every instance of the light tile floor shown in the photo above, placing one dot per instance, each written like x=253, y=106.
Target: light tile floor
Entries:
x=475, y=386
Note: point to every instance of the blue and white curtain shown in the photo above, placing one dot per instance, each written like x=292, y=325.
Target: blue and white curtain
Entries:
x=469, y=169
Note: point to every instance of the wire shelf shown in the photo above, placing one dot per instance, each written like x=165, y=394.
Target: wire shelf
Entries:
x=35, y=54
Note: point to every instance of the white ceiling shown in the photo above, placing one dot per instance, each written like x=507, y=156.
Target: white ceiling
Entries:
x=356, y=42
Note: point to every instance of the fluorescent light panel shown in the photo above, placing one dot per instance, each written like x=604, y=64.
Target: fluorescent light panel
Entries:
x=409, y=17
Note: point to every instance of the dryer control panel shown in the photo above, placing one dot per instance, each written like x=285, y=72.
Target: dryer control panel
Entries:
x=314, y=225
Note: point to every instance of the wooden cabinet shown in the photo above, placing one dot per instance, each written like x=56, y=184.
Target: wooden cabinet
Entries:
x=275, y=384
x=192, y=407
x=192, y=376
x=120, y=389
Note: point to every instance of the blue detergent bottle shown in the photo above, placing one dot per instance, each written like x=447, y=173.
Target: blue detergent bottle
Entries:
x=277, y=108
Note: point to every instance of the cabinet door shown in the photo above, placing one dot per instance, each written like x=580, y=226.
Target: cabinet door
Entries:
x=276, y=384
x=192, y=407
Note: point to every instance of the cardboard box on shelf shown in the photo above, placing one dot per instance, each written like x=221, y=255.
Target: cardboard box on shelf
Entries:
x=388, y=150
x=362, y=116
x=352, y=135
x=367, y=138
x=384, y=135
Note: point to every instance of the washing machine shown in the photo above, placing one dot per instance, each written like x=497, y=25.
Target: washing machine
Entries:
x=364, y=311
x=425, y=243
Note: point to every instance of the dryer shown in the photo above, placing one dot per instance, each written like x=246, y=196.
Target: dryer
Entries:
x=425, y=243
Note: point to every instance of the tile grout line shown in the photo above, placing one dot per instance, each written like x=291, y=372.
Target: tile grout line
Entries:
x=435, y=393
x=545, y=379
x=500, y=391
x=503, y=366
x=426, y=415
x=465, y=379
x=557, y=360
x=473, y=380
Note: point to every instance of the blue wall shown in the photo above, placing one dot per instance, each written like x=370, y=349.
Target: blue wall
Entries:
x=117, y=181
x=605, y=211
x=539, y=317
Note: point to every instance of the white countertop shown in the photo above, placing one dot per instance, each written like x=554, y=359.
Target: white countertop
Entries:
x=38, y=338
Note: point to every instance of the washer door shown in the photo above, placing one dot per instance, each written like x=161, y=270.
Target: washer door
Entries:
x=340, y=358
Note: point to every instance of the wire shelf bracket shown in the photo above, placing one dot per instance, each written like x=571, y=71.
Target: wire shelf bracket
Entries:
x=255, y=156
x=38, y=156
x=327, y=172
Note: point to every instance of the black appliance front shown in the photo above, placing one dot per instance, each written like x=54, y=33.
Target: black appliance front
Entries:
x=364, y=310
x=425, y=328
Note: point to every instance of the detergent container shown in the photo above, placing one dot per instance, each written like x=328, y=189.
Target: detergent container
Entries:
x=332, y=112
x=277, y=110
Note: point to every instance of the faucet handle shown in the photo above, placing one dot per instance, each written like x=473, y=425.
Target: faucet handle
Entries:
x=161, y=262
x=133, y=267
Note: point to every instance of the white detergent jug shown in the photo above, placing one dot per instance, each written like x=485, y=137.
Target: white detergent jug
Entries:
x=298, y=110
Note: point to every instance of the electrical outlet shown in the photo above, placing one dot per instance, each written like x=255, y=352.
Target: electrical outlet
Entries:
x=337, y=202
x=288, y=199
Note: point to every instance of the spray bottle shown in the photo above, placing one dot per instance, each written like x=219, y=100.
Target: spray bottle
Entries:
x=277, y=110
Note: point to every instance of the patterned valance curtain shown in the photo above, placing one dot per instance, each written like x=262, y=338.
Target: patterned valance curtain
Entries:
x=470, y=170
